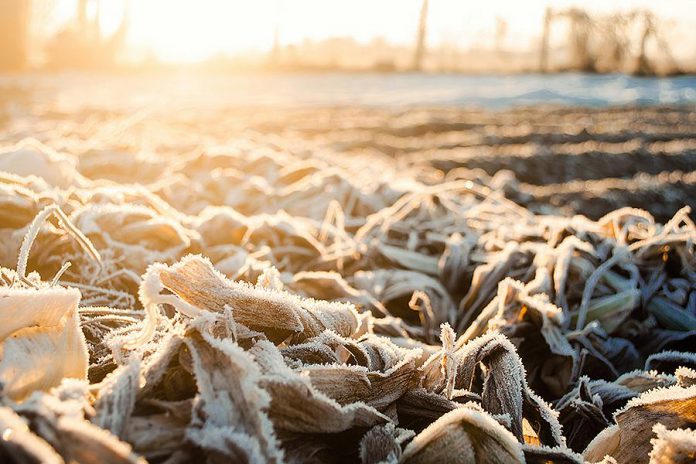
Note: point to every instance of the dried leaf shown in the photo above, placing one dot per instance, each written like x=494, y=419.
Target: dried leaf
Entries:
x=464, y=435
x=42, y=342
x=296, y=406
x=19, y=445
x=673, y=446
x=277, y=314
x=229, y=416
x=629, y=440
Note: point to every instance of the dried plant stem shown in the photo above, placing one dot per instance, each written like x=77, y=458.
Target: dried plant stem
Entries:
x=34, y=229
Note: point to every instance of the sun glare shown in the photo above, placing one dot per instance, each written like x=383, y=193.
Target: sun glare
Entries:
x=190, y=31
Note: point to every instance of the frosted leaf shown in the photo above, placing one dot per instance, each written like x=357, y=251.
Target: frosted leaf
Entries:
x=229, y=415
x=31, y=157
x=673, y=446
x=221, y=225
x=390, y=286
x=327, y=285
x=135, y=236
x=455, y=260
x=629, y=440
x=583, y=412
x=449, y=359
x=116, y=398
x=543, y=455
x=669, y=361
x=311, y=352
x=296, y=406
x=395, y=327
x=382, y=444
x=46, y=307
x=157, y=435
x=294, y=237
x=485, y=281
x=277, y=314
x=330, y=348
x=504, y=389
x=383, y=354
x=535, y=326
x=419, y=404
x=685, y=377
x=607, y=356
x=410, y=260
x=18, y=444
x=89, y=444
x=58, y=418
x=157, y=356
x=270, y=279
x=641, y=381
x=609, y=396
x=464, y=435
x=42, y=341
x=19, y=204
x=352, y=384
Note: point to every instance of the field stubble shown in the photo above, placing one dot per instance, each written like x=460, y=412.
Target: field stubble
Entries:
x=342, y=284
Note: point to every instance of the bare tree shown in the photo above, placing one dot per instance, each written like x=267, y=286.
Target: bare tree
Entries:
x=14, y=34
x=603, y=43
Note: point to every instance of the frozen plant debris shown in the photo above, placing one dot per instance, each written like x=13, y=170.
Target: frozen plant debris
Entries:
x=247, y=303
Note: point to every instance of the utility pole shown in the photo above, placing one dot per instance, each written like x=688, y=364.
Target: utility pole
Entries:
x=275, y=51
x=81, y=16
x=544, y=46
x=420, y=40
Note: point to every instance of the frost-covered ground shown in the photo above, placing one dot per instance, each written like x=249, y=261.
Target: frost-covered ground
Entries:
x=340, y=89
x=193, y=274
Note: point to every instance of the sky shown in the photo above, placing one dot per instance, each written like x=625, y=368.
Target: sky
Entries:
x=191, y=30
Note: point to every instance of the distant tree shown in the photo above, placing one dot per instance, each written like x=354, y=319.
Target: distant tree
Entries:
x=603, y=43
x=14, y=34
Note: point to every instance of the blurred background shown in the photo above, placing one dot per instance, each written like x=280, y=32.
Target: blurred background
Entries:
x=566, y=106
x=635, y=36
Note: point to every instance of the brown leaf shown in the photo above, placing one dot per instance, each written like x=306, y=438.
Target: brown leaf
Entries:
x=277, y=314
x=464, y=435
x=629, y=440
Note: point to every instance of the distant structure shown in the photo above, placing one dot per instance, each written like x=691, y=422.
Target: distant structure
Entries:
x=602, y=44
x=274, y=56
x=501, y=29
x=82, y=45
x=14, y=34
x=419, y=52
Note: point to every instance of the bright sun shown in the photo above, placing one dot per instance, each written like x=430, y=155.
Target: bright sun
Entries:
x=178, y=30
x=186, y=30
